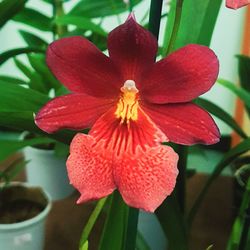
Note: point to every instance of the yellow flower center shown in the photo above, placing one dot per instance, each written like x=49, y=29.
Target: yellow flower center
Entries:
x=127, y=106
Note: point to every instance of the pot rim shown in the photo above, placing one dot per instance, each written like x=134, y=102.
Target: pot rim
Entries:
x=38, y=218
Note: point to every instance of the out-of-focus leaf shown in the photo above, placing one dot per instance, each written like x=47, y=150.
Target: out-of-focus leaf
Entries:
x=230, y=156
x=100, y=8
x=197, y=23
x=12, y=80
x=35, y=80
x=221, y=114
x=14, y=52
x=33, y=40
x=234, y=242
x=240, y=92
x=61, y=150
x=172, y=222
x=17, y=98
x=37, y=61
x=113, y=232
x=141, y=243
x=9, y=147
x=34, y=19
x=8, y=9
x=80, y=22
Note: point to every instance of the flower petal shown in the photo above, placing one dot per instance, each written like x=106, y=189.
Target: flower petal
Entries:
x=235, y=4
x=184, y=123
x=89, y=168
x=74, y=111
x=81, y=67
x=182, y=76
x=132, y=48
x=147, y=178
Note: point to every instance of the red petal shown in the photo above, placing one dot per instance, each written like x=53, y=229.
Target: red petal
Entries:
x=184, y=123
x=182, y=76
x=89, y=168
x=235, y=4
x=81, y=67
x=132, y=48
x=147, y=178
x=74, y=111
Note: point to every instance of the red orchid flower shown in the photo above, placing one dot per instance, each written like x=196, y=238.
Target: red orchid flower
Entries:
x=236, y=4
x=133, y=105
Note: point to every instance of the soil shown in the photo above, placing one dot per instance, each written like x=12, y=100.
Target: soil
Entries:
x=19, y=203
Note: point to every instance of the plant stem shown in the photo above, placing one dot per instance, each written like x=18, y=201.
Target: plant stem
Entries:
x=181, y=180
x=58, y=10
x=92, y=219
x=155, y=17
x=176, y=25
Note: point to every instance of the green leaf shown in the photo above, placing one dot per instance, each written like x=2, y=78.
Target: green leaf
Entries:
x=24, y=121
x=240, y=92
x=14, y=52
x=8, y=9
x=8, y=147
x=172, y=222
x=91, y=222
x=85, y=246
x=100, y=8
x=80, y=22
x=34, y=19
x=221, y=114
x=17, y=98
x=113, y=232
x=238, y=226
x=35, y=80
x=33, y=40
x=229, y=157
x=141, y=243
x=12, y=80
x=197, y=23
x=38, y=63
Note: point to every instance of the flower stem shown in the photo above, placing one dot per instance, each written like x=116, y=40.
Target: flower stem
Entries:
x=177, y=20
x=58, y=10
x=155, y=17
x=92, y=219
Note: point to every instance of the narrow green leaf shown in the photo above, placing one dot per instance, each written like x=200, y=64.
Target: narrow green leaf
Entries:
x=38, y=63
x=14, y=52
x=230, y=156
x=197, y=23
x=141, y=243
x=100, y=8
x=35, y=80
x=85, y=246
x=172, y=222
x=237, y=230
x=91, y=222
x=32, y=40
x=12, y=80
x=8, y=9
x=34, y=19
x=80, y=22
x=113, y=232
x=24, y=121
x=8, y=147
x=240, y=92
x=17, y=98
x=221, y=114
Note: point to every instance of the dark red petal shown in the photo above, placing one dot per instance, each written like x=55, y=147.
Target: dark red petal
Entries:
x=89, y=168
x=132, y=48
x=235, y=4
x=81, y=67
x=184, y=123
x=182, y=76
x=73, y=111
x=147, y=178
